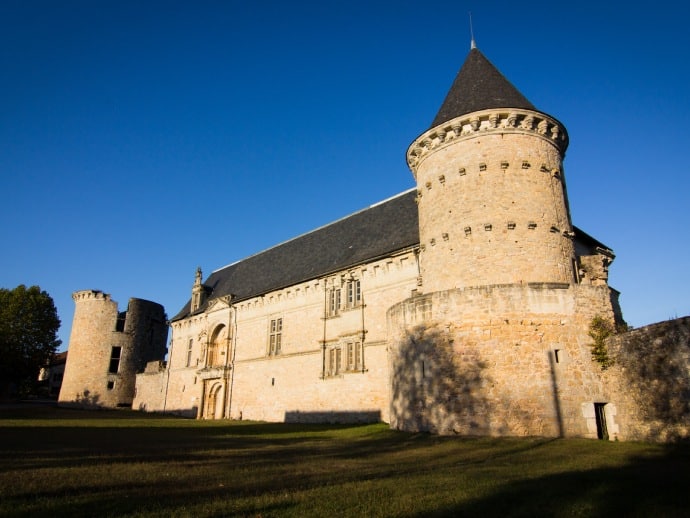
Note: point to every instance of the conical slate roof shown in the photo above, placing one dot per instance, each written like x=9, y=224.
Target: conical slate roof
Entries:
x=479, y=86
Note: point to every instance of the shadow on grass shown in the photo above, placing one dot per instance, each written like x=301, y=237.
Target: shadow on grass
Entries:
x=646, y=486
x=160, y=467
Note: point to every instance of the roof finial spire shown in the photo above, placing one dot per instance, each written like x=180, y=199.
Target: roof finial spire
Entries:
x=473, y=44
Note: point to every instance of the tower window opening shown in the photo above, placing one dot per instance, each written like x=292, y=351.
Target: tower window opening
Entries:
x=115, y=359
x=120, y=322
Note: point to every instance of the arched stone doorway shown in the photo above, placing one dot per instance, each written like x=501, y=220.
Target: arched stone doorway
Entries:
x=214, y=402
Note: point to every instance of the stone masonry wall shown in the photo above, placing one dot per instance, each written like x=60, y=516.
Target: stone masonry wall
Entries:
x=90, y=346
x=295, y=384
x=89, y=378
x=492, y=204
x=650, y=381
x=150, y=388
x=497, y=360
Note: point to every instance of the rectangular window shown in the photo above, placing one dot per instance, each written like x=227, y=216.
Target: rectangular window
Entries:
x=334, y=302
x=115, y=359
x=354, y=294
x=275, y=336
x=354, y=356
x=331, y=362
x=335, y=361
x=120, y=322
x=189, y=352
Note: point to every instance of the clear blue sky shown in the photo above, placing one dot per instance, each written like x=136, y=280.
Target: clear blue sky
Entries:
x=141, y=139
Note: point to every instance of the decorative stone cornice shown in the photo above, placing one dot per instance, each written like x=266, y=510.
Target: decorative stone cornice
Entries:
x=484, y=122
x=214, y=372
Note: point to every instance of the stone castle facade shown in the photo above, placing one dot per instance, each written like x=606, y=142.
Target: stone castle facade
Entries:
x=461, y=306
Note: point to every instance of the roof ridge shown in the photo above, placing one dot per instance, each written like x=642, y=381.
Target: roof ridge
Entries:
x=390, y=198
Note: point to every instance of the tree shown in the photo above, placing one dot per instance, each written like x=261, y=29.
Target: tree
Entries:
x=28, y=329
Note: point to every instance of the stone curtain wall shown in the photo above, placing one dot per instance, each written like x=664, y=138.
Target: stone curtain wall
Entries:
x=650, y=379
x=151, y=386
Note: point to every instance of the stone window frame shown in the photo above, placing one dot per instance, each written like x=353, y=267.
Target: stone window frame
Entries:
x=335, y=361
x=190, y=346
x=335, y=300
x=275, y=336
x=344, y=357
x=353, y=290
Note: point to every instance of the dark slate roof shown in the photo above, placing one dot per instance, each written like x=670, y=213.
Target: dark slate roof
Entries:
x=479, y=86
x=377, y=231
x=587, y=245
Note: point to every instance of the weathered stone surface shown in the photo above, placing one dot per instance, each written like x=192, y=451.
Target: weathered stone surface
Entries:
x=93, y=376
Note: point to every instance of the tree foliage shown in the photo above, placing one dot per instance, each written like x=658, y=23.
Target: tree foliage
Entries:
x=28, y=336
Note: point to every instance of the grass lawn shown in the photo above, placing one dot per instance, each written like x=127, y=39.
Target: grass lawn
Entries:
x=60, y=462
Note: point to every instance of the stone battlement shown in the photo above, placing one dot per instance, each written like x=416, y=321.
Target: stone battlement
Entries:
x=79, y=296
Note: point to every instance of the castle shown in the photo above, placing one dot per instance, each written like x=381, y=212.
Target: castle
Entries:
x=461, y=306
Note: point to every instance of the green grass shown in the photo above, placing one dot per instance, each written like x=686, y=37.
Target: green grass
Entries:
x=60, y=462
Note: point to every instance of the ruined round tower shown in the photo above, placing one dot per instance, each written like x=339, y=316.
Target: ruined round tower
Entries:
x=107, y=348
x=491, y=192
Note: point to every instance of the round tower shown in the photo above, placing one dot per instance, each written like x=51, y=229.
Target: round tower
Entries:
x=107, y=348
x=491, y=192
